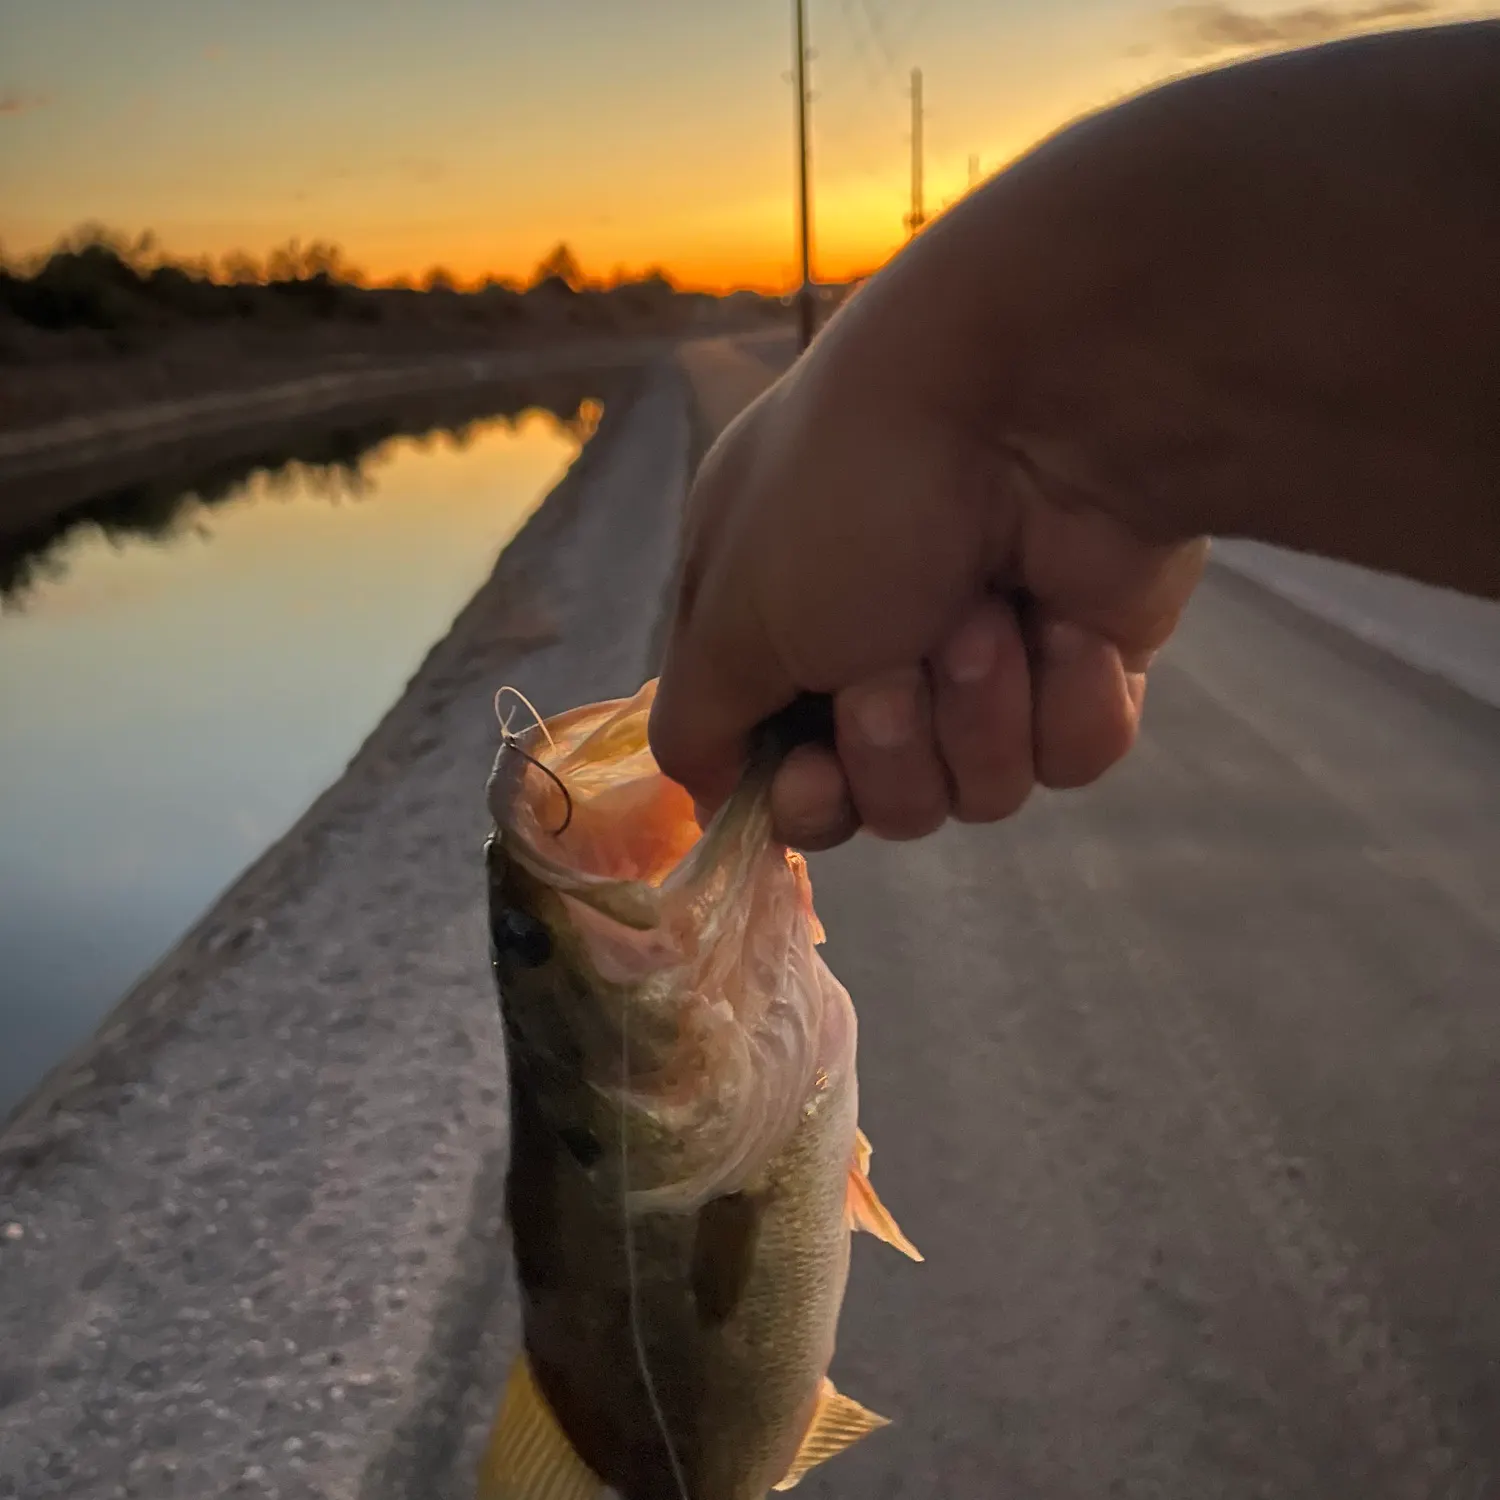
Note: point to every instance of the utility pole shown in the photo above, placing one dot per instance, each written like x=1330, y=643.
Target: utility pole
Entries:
x=918, y=215
x=805, y=308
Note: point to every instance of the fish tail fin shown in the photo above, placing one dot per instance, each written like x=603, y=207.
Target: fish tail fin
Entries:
x=528, y=1456
x=837, y=1423
x=864, y=1208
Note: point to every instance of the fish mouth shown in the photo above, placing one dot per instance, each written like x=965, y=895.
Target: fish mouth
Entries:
x=579, y=802
x=701, y=941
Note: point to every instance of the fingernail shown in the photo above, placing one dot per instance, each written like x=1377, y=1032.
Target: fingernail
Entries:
x=885, y=716
x=971, y=654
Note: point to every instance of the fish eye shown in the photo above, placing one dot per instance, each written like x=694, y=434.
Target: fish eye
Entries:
x=518, y=934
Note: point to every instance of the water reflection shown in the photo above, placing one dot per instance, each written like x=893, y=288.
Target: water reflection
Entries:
x=333, y=462
x=185, y=670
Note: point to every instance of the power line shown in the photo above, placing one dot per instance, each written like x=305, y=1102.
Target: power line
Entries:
x=804, y=208
x=863, y=50
x=898, y=46
x=876, y=22
x=856, y=123
x=875, y=18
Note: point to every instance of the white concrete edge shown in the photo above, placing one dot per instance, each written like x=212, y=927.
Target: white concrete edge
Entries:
x=1451, y=636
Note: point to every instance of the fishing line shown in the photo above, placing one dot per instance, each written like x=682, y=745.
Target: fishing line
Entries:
x=632, y=1275
x=512, y=741
x=522, y=701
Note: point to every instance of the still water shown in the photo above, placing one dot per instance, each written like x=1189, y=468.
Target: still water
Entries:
x=170, y=704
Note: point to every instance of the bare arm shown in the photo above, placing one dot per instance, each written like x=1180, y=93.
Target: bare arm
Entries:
x=1263, y=301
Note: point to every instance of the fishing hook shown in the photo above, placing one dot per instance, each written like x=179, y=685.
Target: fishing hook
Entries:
x=512, y=741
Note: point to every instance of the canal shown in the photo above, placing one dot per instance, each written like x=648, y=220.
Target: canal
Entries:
x=184, y=669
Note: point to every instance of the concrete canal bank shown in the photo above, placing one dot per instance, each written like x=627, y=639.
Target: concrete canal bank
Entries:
x=250, y=1236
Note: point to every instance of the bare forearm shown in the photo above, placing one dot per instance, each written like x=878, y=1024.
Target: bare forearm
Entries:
x=1261, y=302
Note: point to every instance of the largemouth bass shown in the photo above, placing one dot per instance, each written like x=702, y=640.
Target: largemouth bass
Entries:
x=686, y=1162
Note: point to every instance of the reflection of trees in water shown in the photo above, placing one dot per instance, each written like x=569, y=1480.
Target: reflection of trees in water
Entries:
x=338, y=463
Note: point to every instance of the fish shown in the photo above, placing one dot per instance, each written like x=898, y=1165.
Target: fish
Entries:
x=686, y=1164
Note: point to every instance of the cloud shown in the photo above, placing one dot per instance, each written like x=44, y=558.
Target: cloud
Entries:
x=1199, y=29
x=213, y=52
x=12, y=103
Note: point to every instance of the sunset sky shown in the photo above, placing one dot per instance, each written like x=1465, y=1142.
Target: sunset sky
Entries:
x=476, y=133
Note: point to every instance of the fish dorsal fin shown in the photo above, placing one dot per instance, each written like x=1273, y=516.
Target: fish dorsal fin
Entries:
x=864, y=1208
x=837, y=1423
x=528, y=1456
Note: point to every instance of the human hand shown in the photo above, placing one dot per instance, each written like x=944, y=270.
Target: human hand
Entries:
x=982, y=629
x=969, y=511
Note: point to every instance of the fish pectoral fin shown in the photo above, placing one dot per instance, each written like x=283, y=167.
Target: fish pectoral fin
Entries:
x=864, y=1208
x=837, y=1423
x=528, y=1456
x=863, y=1151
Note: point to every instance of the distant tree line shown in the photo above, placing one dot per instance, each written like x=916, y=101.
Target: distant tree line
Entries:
x=99, y=279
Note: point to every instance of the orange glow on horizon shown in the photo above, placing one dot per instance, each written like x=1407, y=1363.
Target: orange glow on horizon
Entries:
x=414, y=143
x=715, y=274
x=764, y=262
x=746, y=245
